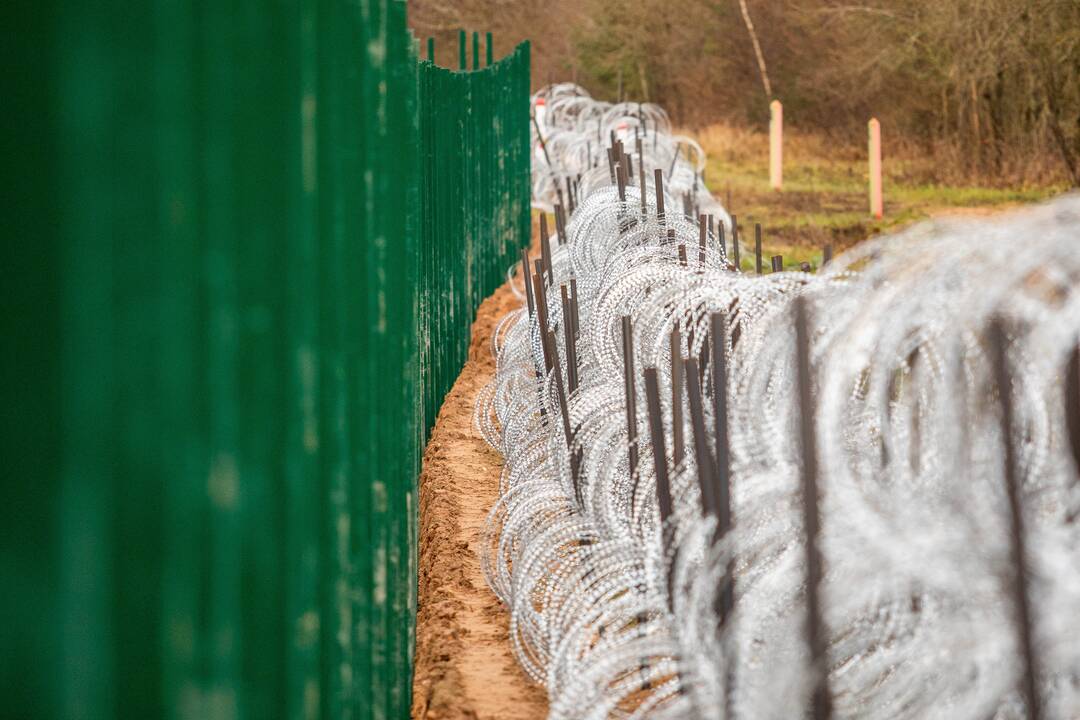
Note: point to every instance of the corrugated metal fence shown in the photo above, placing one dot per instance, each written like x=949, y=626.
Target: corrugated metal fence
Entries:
x=251, y=240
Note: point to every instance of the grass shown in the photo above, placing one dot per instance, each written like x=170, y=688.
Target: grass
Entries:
x=825, y=198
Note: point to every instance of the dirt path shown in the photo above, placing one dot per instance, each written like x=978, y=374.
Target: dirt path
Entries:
x=464, y=665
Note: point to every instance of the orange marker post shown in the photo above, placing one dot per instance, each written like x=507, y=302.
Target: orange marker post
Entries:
x=776, y=145
x=877, y=207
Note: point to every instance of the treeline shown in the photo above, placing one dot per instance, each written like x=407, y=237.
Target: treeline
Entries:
x=991, y=87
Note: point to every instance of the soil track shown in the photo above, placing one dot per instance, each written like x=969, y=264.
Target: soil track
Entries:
x=464, y=665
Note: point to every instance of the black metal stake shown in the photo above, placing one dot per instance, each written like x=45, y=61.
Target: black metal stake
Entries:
x=560, y=390
x=724, y=603
x=570, y=340
x=678, y=446
x=1072, y=407
x=658, y=181
x=735, y=242
x=718, y=330
x=545, y=249
x=659, y=451
x=631, y=401
x=540, y=137
x=641, y=182
x=702, y=456
x=815, y=625
x=575, y=307
x=1018, y=539
x=703, y=229
x=560, y=222
x=757, y=248
x=541, y=313
x=527, y=278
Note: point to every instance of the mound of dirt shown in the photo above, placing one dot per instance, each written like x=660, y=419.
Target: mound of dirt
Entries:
x=464, y=665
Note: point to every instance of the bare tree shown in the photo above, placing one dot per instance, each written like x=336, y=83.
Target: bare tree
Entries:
x=757, y=51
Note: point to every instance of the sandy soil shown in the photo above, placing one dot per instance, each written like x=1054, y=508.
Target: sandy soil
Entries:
x=464, y=665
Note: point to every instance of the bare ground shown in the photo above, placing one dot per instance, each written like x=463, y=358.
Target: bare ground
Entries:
x=464, y=664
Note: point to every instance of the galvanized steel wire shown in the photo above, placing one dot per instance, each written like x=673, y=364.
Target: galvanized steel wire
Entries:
x=629, y=593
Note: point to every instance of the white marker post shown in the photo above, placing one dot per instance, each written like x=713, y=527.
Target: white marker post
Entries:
x=877, y=208
x=776, y=145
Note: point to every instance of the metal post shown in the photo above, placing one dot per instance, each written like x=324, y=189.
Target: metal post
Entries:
x=815, y=627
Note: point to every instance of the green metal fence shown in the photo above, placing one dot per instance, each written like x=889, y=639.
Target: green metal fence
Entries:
x=476, y=202
x=250, y=241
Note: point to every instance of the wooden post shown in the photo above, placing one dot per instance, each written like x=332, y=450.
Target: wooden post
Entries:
x=876, y=206
x=776, y=145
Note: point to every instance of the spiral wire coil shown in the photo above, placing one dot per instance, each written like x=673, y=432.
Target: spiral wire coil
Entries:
x=632, y=595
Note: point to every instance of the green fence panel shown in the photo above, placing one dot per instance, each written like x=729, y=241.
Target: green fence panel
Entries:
x=250, y=240
x=475, y=200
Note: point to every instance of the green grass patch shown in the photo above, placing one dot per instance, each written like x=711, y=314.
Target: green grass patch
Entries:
x=825, y=200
